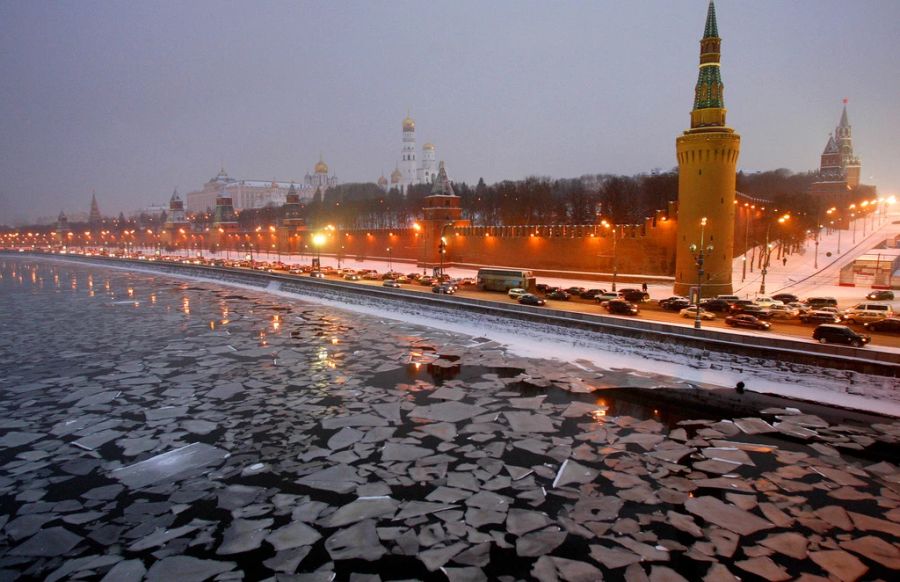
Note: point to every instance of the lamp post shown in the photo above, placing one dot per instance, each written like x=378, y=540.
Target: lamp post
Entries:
x=699, y=252
x=768, y=251
x=390, y=261
x=318, y=240
x=612, y=229
x=442, y=248
x=746, y=240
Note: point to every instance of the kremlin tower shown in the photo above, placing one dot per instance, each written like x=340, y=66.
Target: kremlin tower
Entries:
x=408, y=153
x=707, y=157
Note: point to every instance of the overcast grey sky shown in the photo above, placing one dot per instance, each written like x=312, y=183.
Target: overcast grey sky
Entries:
x=133, y=99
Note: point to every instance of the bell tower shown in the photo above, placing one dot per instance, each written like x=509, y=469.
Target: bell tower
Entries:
x=707, y=157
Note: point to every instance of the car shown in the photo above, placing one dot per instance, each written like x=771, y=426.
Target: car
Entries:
x=819, y=316
x=865, y=312
x=575, y=290
x=466, y=281
x=402, y=279
x=880, y=295
x=786, y=298
x=591, y=293
x=604, y=297
x=516, y=292
x=746, y=320
x=736, y=306
x=443, y=289
x=819, y=302
x=390, y=275
x=672, y=298
x=317, y=274
x=558, y=295
x=754, y=310
x=783, y=312
x=529, y=299
x=675, y=304
x=543, y=287
x=634, y=295
x=888, y=324
x=390, y=283
x=729, y=298
x=839, y=334
x=427, y=281
x=716, y=305
x=621, y=307
x=764, y=301
x=691, y=312
x=371, y=276
x=351, y=277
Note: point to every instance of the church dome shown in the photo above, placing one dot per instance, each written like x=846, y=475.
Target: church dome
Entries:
x=396, y=175
x=428, y=146
x=321, y=167
x=409, y=124
x=382, y=181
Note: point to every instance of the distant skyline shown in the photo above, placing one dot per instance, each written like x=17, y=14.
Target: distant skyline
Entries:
x=132, y=100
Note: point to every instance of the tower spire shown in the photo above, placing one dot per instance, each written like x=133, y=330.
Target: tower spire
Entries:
x=709, y=93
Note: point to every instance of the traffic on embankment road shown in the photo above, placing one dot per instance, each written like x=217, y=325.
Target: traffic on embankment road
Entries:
x=785, y=339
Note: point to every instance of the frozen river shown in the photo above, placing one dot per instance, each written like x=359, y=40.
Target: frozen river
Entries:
x=152, y=428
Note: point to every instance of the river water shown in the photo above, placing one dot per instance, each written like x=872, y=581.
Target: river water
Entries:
x=155, y=427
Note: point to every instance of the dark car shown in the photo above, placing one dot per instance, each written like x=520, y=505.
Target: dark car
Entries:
x=390, y=283
x=591, y=293
x=675, y=304
x=880, y=295
x=786, y=298
x=717, y=305
x=819, y=302
x=443, y=289
x=543, y=287
x=634, y=295
x=746, y=320
x=839, y=334
x=736, y=306
x=529, y=299
x=621, y=307
x=754, y=310
x=317, y=274
x=888, y=324
x=820, y=317
x=427, y=281
x=575, y=290
x=559, y=295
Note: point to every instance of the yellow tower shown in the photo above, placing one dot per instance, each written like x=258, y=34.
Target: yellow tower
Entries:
x=707, y=157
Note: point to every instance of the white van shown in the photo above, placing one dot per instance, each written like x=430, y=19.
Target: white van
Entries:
x=866, y=312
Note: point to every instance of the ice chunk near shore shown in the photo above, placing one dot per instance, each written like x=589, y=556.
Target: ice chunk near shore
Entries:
x=170, y=464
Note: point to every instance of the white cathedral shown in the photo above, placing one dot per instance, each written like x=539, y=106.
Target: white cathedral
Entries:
x=408, y=172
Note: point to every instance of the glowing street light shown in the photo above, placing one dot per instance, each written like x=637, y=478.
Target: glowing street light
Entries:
x=318, y=240
x=699, y=252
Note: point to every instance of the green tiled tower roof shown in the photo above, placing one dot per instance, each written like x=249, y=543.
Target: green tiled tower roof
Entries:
x=710, y=91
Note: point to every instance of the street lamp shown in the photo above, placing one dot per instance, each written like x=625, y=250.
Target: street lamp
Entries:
x=318, y=240
x=390, y=261
x=442, y=248
x=768, y=251
x=749, y=215
x=612, y=229
x=699, y=252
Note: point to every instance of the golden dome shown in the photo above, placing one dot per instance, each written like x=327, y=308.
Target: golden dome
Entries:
x=321, y=167
x=409, y=124
x=396, y=175
x=428, y=146
x=382, y=181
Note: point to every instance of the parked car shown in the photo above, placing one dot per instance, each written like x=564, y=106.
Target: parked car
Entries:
x=783, y=312
x=736, y=306
x=516, y=292
x=716, y=305
x=754, y=310
x=317, y=274
x=443, y=289
x=746, y=320
x=865, y=312
x=529, y=299
x=840, y=334
x=880, y=295
x=691, y=313
x=371, y=276
x=729, y=298
x=819, y=302
x=591, y=293
x=621, y=307
x=634, y=295
x=559, y=295
x=764, y=301
x=543, y=287
x=786, y=297
x=888, y=324
x=818, y=316
x=427, y=281
x=351, y=277
x=675, y=303
x=390, y=283
x=604, y=297
x=575, y=290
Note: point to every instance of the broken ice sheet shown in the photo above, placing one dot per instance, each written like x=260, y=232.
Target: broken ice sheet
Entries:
x=171, y=464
